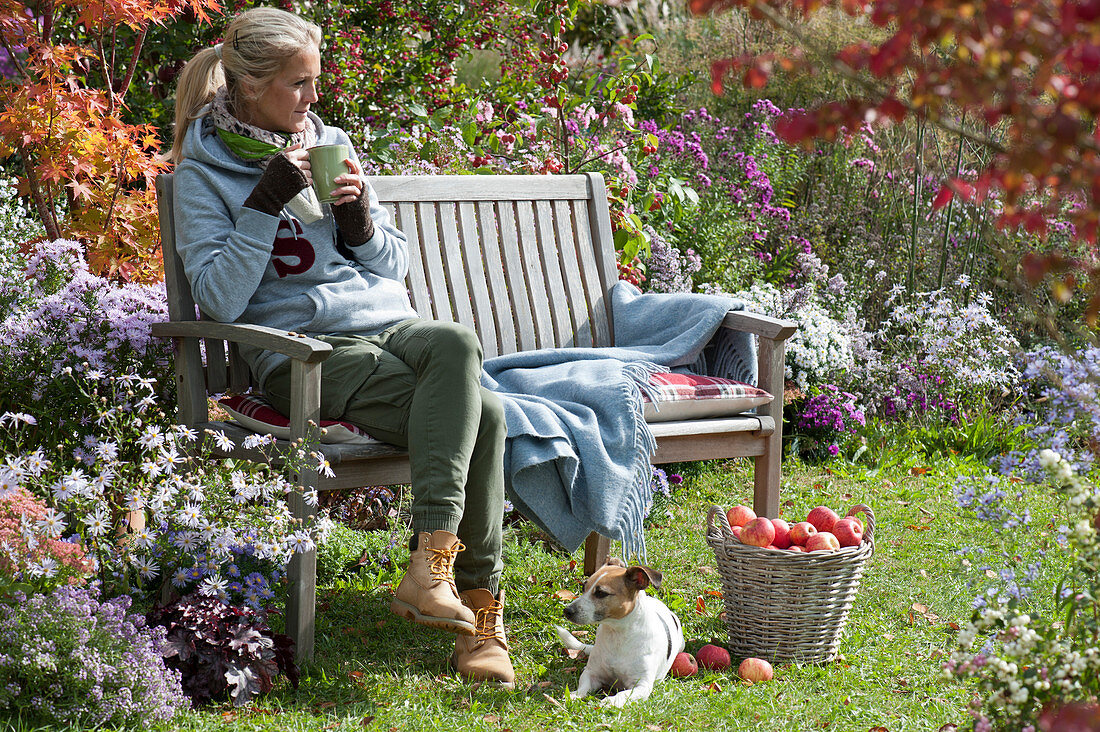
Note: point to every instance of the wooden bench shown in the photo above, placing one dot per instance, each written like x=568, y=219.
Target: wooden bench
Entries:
x=527, y=262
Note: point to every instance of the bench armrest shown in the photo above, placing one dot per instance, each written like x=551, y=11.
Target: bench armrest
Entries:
x=764, y=326
x=295, y=345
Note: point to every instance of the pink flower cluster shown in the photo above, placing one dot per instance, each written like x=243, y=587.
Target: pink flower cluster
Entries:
x=19, y=512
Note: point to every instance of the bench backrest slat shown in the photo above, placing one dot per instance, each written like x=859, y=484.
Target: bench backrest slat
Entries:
x=544, y=255
x=526, y=261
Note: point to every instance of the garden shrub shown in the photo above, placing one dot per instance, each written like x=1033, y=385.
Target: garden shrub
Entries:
x=146, y=517
x=827, y=420
x=1022, y=665
x=31, y=555
x=67, y=658
x=820, y=350
x=56, y=315
x=222, y=651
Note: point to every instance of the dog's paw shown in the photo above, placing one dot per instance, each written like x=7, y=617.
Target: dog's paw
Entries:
x=618, y=700
x=576, y=695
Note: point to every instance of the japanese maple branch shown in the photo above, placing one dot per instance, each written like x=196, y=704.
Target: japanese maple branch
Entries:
x=45, y=211
x=133, y=62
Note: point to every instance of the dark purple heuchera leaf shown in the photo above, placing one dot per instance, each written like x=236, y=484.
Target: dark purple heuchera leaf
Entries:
x=223, y=650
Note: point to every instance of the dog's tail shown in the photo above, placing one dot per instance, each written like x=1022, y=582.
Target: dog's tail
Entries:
x=570, y=641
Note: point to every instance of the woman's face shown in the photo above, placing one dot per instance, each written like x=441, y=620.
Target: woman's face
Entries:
x=282, y=104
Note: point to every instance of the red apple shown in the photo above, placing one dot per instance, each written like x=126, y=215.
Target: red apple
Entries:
x=823, y=518
x=758, y=532
x=713, y=658
x=755, y=669
x=800, y=532
x=848, y=531
x=822, y=541
x=740, y=515
x=684, y=665
x=736, y=531
x=782, y=534
x=853, y=513
x=796, y=548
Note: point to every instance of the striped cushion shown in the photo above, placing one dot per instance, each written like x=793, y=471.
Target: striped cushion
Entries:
x=679, y=396
x=253, y=412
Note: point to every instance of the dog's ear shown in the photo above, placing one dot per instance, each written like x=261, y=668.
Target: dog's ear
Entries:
x=643, y=577
x=614, y=562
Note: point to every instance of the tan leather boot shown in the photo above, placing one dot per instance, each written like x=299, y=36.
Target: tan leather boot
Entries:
x=484, y=657
x=427, y=593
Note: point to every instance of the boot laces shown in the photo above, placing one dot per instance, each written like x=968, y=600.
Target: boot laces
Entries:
x=441, y=562
x=485, y=621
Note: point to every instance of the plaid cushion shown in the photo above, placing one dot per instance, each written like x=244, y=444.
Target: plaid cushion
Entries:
x=255, y=413
x=693, y=396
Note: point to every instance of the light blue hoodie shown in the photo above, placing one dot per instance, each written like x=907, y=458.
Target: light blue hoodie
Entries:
x=249, y=267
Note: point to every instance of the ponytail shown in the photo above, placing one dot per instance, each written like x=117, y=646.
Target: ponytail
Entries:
x=198, y=82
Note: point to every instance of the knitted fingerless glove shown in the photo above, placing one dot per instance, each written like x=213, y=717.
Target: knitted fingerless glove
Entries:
x=354, y=221
x=281, y=182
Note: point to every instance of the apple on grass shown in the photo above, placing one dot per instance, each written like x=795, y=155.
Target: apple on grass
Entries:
x=713, y=658
x=823, y=518
x=740, y=515
x=848, y=531
x=758, y=532
x=754, y=670
x=800, y=532
x=684, y=665
x=822, y=541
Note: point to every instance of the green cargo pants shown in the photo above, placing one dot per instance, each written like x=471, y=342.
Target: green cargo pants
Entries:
x=418, y=385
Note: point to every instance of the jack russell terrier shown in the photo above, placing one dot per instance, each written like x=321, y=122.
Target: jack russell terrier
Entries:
x=637, y=639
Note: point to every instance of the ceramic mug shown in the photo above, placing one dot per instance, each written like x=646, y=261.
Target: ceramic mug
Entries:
x=326, y=162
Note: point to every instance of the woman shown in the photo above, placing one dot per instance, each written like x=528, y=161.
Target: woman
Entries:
x=257, y=247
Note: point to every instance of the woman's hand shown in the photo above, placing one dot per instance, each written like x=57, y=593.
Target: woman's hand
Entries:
x=299, y=157
x=350, y=184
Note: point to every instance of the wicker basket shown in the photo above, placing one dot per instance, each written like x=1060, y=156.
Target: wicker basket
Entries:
x=786, y=606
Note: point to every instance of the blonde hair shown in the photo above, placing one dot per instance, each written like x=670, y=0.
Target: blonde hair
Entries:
x=257, y=44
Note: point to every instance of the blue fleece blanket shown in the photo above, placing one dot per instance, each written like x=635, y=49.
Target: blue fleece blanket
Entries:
x=578, y=449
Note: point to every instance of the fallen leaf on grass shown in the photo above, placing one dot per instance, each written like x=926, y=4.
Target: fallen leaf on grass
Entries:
x=714, y=687
x=365, y=721
x=700, y=605
x=554, y=701
x=949, y=727
x=878, y=729
x=566, y=595
x=714, y=593
x=229, y=716
x=654, y=728
x=490, y=719
x=918, y=471
x=920, y=608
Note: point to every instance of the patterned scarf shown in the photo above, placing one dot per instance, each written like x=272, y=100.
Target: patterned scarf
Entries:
x=252, y=144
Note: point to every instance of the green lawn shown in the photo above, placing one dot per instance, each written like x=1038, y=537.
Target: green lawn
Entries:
x=376, y=671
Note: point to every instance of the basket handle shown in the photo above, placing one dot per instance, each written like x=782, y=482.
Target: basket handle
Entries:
x=723, y=523
x=869, y=532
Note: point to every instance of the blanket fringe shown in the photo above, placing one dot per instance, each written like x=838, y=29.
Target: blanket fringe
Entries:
x=639, y=499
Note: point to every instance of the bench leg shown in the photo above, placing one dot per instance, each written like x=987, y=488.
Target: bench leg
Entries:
x=596, y=550
x=301, y=603
x=766, y=473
